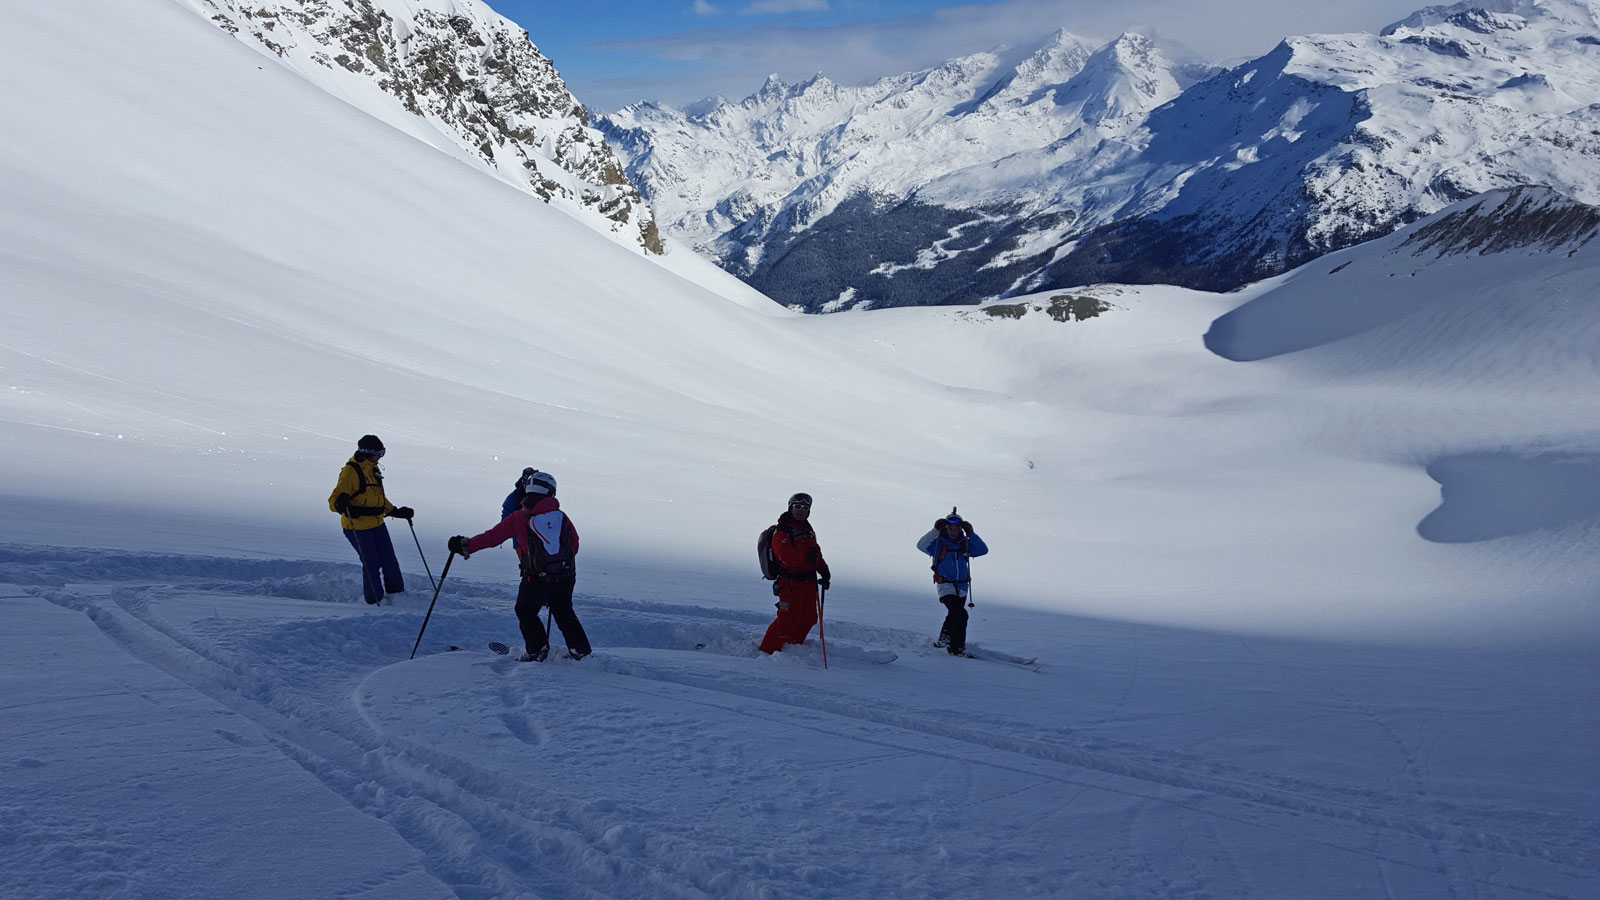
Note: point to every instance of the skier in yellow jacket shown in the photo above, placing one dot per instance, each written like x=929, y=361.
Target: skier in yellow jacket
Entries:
x=359, y=500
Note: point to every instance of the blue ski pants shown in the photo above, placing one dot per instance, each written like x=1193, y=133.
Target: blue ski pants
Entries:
x=380, y=570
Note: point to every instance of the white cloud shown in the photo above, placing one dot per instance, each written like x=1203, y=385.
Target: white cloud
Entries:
x=772, y=7
x=733, y=61
x=702, y=8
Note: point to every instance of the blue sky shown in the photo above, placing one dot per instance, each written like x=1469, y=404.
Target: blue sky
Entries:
x=614, y=52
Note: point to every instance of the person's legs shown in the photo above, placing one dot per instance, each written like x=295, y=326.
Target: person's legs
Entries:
x=393, y=581
x=955, y=622
x=796, y=614
x=802, y=613
x=371, y=584
x=940, y=591
x=530, y=600
x=560, y=597
x=774, y=639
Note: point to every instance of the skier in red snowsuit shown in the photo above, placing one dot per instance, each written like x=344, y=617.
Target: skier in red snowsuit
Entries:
x=794, y=546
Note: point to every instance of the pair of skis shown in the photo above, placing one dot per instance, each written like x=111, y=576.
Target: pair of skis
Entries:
x=996, y=656
x=494, y=647
x=504, y=650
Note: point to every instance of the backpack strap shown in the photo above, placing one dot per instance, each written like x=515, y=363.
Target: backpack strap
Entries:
x=361, y=477
x=358, y=512
x=943, y=549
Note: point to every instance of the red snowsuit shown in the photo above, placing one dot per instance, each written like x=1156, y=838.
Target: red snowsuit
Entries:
x=794, y=546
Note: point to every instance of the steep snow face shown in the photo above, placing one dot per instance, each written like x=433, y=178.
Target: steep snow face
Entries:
x=459, y=76
x=1465, y=302
x=1075, y=168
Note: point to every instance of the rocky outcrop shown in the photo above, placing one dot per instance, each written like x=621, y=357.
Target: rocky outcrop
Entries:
x=1526, y=217
x=469, y=75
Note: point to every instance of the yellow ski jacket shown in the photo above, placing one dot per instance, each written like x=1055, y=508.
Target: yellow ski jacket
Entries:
x=362, y=483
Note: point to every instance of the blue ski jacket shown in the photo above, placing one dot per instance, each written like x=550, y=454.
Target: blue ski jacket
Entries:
x=513, y=502
x=950, y=556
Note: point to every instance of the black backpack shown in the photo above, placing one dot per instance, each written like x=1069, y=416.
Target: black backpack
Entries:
x=770, y=570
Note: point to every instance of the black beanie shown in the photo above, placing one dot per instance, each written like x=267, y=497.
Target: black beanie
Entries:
x=369, y=442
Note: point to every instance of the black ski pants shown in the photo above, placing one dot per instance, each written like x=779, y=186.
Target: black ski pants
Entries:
x=532, y=597
x=955, y=622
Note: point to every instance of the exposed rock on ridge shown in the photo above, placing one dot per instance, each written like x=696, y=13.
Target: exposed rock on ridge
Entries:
x=1525, y=217
x=472, y=78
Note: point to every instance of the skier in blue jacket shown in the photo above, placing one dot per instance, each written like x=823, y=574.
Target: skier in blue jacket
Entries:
x=513, y=502
x=951, y=543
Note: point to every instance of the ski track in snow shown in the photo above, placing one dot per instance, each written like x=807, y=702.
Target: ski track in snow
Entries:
x=491, y=833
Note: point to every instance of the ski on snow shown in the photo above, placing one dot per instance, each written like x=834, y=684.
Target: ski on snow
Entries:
x=994, y=656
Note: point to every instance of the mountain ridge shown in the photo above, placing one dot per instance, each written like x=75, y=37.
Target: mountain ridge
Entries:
x=1093, y=162
x=457, y=75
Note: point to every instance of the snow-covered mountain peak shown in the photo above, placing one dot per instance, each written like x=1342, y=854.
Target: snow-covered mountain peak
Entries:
x=1060, y=58
x=1487, y=16
x=771, y=91
x=727, y=174
x=459, y=76
x=1084, y=163
x=1129, y=76
x=1056, y=61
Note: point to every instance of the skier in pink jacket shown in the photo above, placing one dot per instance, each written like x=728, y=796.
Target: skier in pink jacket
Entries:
x=547, y=550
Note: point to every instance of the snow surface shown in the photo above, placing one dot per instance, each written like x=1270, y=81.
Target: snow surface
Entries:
x=1274, y=660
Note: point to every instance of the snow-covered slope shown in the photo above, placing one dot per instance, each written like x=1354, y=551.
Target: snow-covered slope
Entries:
x=1486, y=281
x=226, y=302
x=1327, y=678
x=245, y=736
x=459, y=76
x=1081, y=167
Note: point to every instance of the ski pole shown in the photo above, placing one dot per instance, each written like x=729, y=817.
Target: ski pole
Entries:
x=448, y=560
x=822, y=633
x=423, y=555
x=970, y=604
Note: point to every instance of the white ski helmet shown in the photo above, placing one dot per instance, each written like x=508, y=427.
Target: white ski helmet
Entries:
x=540, y=484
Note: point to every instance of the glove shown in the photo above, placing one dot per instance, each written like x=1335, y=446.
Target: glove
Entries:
x=938, y=525
x=824, y=580
x=341, y=504
x=403, y=512
x=782, y=604
x=457, y=544
x=967, y=527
